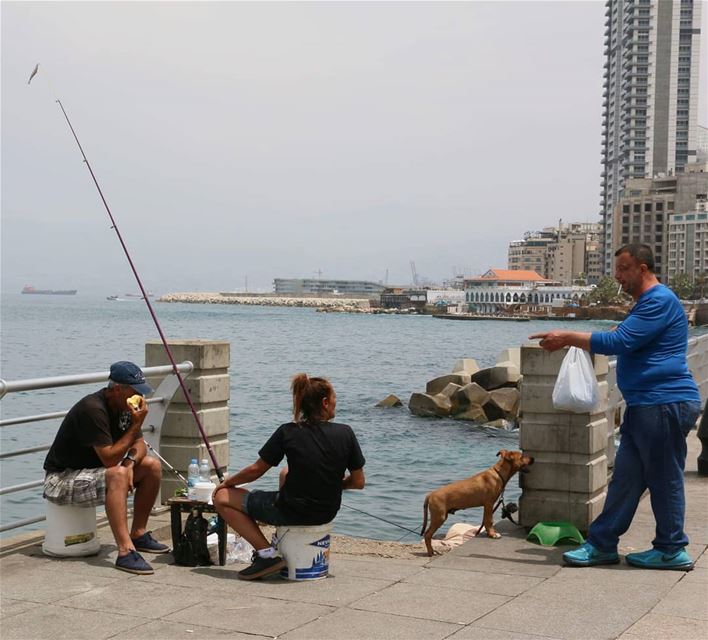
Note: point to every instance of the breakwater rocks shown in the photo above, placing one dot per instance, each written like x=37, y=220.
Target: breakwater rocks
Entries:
x=487, y=396
x=351, y=305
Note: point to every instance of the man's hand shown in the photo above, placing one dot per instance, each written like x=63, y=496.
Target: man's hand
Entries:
x=551, y=340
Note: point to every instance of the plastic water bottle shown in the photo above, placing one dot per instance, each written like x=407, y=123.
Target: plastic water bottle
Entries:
x=204, y=471
x=192, y=479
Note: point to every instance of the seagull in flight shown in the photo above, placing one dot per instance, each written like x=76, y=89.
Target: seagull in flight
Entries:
x=34, y=73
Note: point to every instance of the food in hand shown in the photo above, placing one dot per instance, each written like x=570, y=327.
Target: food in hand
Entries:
x=135, y=401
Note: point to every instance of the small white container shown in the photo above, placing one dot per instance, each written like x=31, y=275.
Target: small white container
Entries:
x=203, y=491
x=71, y=531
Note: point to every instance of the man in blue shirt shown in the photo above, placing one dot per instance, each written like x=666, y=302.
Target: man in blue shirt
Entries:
x=663, y=405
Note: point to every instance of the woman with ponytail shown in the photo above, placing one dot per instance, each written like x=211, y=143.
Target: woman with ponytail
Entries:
x=319, y=453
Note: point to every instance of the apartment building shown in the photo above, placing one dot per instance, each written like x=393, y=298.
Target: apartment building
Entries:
x=647, y=206
x=650, y=98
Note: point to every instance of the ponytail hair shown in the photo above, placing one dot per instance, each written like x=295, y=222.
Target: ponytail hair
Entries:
x=308, y=394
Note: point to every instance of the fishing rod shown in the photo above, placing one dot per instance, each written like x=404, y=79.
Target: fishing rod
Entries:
x=114, y=226
x=167, y=464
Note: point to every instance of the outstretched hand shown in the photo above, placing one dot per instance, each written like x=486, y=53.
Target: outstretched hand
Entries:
x=550, y=340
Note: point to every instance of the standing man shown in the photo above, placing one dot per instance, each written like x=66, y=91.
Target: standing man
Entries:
x=99, y=456
x=663, y=404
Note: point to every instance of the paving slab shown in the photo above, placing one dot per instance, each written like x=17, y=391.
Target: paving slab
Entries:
x=161, y=630
x=687, y=599
x=474, y=581
x=10, y=607
x=47, y=586
x=658, y=626
x=620, y=573
x=510, y=566
x=251, y=614
x=380, y=568
x=333, y=591
x=433, y=603
x=573, y=609
x=482, y=633
x=366, y=625
x=138, y=596
x=59, y=623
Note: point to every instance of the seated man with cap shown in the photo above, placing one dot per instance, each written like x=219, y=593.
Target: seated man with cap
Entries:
x=99, y=456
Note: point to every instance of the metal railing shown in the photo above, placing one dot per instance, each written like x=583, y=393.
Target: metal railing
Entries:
x=152, y=428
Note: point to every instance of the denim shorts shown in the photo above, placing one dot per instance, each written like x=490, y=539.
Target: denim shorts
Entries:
x=261, y=506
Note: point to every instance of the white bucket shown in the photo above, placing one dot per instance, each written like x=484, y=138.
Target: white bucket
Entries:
x=71, y=531
x=306, y=550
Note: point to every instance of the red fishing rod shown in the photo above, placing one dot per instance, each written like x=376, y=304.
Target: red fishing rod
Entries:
x=114, y=226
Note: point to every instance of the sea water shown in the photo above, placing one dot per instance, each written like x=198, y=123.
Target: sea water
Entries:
x=366, y=357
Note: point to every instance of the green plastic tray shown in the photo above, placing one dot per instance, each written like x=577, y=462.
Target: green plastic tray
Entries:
x=552, y=533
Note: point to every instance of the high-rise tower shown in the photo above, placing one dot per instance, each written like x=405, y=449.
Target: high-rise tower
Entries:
x=650, y=106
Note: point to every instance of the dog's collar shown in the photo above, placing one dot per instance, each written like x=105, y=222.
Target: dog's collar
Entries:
x=503, y=479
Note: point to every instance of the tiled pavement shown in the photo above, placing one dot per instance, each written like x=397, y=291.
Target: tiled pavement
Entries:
x=505, y=589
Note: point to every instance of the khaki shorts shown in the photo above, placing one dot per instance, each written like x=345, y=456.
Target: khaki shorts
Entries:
x=81, y=487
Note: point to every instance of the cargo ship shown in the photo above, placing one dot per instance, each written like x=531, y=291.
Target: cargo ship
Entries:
x=48, y=292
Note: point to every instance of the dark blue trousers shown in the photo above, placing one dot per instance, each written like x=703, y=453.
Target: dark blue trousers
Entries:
x=651, y=455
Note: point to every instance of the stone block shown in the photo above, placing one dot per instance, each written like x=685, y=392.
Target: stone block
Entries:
x=565, y=472
x=203, y=387
x=390, y=401
x=426, y=405
x=513, y=355
x=537, y=395
x=470, y=394
x=179, y=421
x=550, y=506
x=465, y=365
x=501, y=375
x=536, y=361
x=563, y=433
x=436, y=385
x=473, y=413
x=203, y=354
x=507, y=399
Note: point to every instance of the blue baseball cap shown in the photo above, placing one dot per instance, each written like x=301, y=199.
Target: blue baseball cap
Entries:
x=131, y=374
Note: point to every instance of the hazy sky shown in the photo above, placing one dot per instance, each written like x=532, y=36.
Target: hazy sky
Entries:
x=279, y=139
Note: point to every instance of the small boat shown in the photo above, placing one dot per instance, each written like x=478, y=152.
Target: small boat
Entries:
x=474, y=316
x=48, y=292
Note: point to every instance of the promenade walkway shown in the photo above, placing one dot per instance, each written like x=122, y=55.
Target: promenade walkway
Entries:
x=491, y=589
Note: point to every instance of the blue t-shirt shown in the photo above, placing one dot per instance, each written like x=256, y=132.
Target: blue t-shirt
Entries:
x=650, y=345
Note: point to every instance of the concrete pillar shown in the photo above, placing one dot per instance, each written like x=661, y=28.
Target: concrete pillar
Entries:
x=568, y=480
x=209, y=387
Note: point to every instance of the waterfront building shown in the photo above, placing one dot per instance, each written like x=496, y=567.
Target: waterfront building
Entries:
x=299, y=286
x=647, y=205
x=531, y=253
x=650, y=99
x=510, y=291
x=403, y=298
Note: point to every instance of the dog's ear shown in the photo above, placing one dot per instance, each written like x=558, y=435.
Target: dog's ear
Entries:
x=502, y=453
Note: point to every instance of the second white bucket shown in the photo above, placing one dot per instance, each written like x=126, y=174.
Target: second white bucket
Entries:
x=71, y=531
x=306, y=550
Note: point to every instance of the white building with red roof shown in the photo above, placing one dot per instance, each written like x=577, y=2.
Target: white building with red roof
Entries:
x=507, y=290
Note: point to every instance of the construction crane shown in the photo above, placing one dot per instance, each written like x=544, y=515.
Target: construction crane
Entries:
x=414, y=273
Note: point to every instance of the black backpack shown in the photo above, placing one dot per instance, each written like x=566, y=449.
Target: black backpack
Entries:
x=191, y=550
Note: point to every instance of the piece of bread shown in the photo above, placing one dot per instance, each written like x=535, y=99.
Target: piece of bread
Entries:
x=135, y=401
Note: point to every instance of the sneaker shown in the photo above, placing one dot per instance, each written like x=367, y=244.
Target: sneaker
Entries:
x=262, y=567
x=133, y=563
x=655, y=559
x=588, y=556
x=148, y=544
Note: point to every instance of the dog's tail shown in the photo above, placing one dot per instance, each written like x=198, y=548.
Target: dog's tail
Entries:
x=425, y=515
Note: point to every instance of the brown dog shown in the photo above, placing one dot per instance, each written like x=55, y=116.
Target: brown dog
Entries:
x=481, y=490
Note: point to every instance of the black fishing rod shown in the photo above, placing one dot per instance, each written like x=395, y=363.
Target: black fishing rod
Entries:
x=114, y=226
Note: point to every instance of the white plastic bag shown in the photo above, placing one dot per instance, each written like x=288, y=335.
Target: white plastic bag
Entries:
x=576, y=388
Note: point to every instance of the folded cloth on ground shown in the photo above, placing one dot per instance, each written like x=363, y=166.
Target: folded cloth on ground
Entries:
x=457, y=534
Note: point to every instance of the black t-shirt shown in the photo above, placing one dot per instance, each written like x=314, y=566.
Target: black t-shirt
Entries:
x=318, y=455
x=89, y=423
